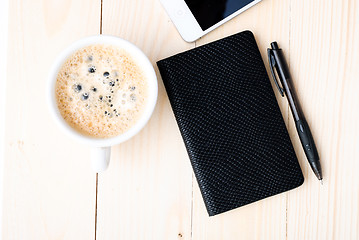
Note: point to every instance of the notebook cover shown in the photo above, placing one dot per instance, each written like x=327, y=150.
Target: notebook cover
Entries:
x=230, y=122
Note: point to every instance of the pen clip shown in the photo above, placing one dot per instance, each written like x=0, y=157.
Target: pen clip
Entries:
x=272, y=64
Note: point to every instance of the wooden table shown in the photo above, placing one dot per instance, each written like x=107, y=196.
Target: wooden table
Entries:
x=149, y=191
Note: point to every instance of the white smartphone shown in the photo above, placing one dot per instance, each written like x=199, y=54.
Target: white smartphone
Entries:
x=195, y=18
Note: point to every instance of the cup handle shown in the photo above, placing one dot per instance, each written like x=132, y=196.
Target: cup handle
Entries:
x=100, y=158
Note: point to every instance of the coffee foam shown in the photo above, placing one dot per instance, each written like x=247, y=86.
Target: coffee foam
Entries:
x=101, y=91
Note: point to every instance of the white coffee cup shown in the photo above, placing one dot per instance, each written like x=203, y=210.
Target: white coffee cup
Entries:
x=101, y=147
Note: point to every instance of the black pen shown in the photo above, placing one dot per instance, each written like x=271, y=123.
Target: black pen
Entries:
x=278, y=63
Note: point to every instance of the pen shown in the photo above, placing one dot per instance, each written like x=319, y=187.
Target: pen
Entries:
x=277, y=63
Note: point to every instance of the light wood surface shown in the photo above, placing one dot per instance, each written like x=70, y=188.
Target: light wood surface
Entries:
x=149, y=191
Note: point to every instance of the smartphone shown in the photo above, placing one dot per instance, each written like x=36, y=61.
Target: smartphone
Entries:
x=195, y=18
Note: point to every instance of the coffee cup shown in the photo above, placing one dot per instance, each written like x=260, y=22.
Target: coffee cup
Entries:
x=101, y=147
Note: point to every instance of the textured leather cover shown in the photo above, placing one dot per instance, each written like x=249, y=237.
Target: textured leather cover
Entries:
x=230, y=122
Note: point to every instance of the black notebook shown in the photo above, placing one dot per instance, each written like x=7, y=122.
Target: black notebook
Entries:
x=230, y=123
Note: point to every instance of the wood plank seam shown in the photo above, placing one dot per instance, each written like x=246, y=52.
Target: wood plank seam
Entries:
x=101, y=16
x=192, y=209
x=288, y=110
x=96, y=206
x=101, y=10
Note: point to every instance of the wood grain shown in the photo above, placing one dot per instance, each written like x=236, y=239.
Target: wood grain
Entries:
x=149, y=191
x=4, y=25
x=324, y=56
x=49, y=188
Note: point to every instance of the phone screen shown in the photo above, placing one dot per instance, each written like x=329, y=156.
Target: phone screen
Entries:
x=210, y=12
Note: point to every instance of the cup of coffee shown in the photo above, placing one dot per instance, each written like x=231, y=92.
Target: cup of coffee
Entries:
x=102, y=91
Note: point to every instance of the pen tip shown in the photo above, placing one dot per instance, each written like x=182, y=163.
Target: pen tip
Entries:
x=321, y=181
